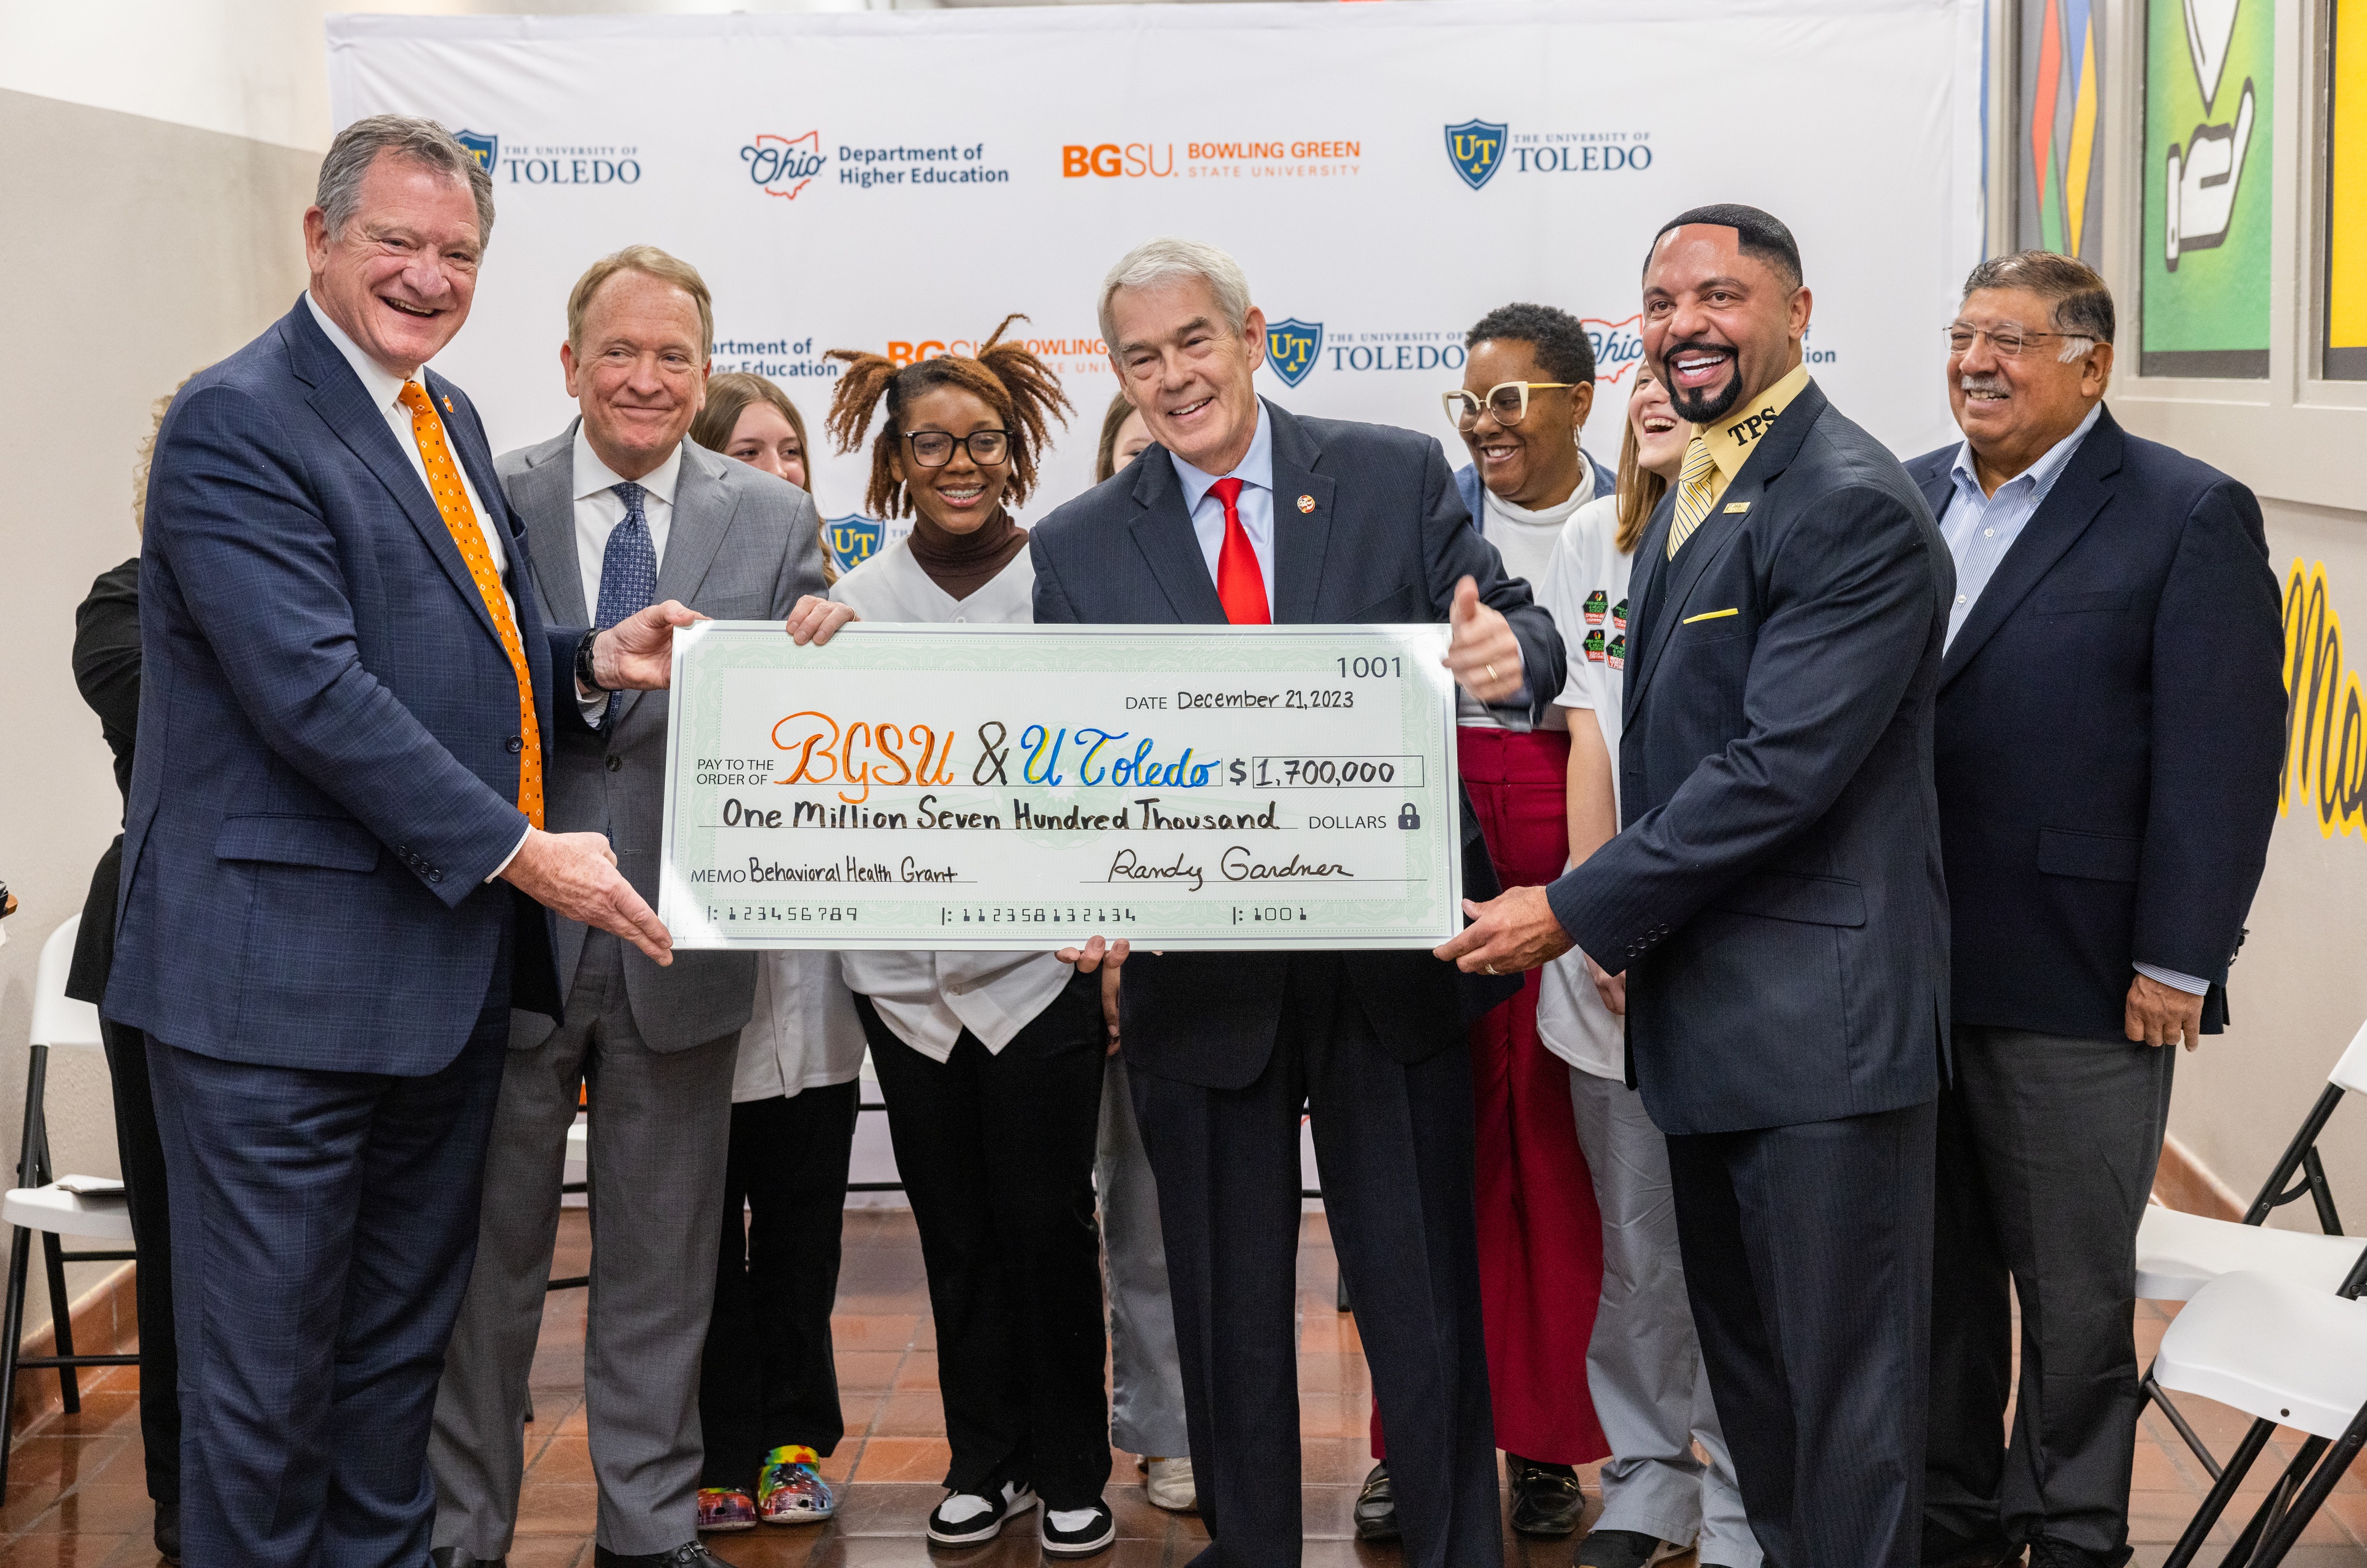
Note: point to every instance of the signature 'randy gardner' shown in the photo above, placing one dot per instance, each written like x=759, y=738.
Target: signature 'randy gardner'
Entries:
x=1236, y=864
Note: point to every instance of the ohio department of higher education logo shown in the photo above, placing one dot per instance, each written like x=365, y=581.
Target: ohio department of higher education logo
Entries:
x=1291, y=348
x=1476, y=147
x=853, y=539
x=485, y=150
x=784, y=165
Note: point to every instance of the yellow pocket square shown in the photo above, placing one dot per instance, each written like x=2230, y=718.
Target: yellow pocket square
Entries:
x=1737, y=506
x=1708, y=615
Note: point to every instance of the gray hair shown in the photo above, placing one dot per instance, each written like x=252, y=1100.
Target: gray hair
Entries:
x=1155, y=261
x=423, y=142
x=2076, y=296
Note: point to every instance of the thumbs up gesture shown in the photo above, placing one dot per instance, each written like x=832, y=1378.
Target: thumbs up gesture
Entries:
x=1481, y=652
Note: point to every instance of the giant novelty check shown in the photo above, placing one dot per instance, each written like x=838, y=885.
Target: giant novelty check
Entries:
x=931, y=786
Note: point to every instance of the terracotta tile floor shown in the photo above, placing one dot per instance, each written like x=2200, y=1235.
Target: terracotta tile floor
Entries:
x=75, y=1495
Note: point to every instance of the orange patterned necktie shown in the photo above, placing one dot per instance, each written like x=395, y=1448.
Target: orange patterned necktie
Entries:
x=452, y=501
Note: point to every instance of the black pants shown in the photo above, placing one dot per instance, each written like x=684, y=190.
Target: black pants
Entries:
x=996, y=1150
x=767, y=1378
x=142, y=1151
x=2046, y=1152
x=1808, y=1254
x=1394, y=1141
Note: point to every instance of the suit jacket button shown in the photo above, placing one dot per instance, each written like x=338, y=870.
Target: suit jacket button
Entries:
x=615, y=761
x=435, y=876
x=516, y=743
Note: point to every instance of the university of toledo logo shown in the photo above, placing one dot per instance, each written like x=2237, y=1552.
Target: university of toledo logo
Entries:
x=1476, y=150
x=485, y=150
x=853, y=539
x=784, y=165
x=1291, y=348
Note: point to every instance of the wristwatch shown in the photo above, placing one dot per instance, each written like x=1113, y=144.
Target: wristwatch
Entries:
x=584, y=679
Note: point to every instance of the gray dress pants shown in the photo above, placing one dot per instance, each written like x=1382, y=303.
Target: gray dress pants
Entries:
x=2046, y=1154
x=1644, y=1364
x=1146, y=1372
x=661, y=1128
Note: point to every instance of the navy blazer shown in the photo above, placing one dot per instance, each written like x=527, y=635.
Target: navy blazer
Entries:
x=2112, y=729
x=1467, y=482
x=328, y=732
x=1775, y=897
x=1385, y=542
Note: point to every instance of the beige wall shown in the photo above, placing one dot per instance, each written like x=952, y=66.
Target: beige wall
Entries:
x=135, y=252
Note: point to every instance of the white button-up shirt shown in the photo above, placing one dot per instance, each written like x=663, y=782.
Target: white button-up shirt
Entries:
x=385, y=390
x=598, y=509
x=1254, y=506
x=1980, y=528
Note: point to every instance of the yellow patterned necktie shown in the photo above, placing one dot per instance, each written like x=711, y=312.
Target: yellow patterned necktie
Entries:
x=1692, y=493
x=452, y=501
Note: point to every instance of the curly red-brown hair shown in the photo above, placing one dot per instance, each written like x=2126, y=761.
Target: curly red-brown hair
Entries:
x=1021, y=389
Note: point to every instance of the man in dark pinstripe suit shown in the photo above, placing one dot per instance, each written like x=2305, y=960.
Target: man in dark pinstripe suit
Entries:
x=1775, y=897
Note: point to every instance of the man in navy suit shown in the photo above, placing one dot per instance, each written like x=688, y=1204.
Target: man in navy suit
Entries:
x=1775, y=897
x=1246, y=514
x=2110, y=729
x=335, y=873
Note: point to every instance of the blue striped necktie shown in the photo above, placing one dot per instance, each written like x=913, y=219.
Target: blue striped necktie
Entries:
x=628, y=572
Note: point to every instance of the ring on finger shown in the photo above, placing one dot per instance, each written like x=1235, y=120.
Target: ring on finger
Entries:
x=1493, y=676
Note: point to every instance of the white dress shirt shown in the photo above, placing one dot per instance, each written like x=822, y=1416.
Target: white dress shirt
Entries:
x=804, y=1033
x=598, y=509
x=928, y=999
x=1254, y=506
x=1980, y=528
x=385, y=390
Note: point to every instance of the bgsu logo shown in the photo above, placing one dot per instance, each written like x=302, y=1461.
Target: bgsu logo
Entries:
x=784, y=165
x=1618, y=346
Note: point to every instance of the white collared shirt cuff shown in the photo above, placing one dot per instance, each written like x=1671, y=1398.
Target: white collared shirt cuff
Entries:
x=2187, y=983
x=513, y=854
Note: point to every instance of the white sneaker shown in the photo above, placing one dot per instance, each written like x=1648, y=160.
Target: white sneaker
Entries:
x=965, y=1518
x=1078, y=1532
x=1170, y=1486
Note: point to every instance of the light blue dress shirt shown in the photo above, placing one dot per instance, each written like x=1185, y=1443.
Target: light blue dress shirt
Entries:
x=1254, y=506
x=1981, y=528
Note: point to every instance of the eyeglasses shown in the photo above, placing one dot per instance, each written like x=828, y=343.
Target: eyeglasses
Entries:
x=2006, y=343
x=934, y=448
x=1508, y=401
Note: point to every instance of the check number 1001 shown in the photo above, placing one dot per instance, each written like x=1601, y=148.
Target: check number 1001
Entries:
x=1380, y=666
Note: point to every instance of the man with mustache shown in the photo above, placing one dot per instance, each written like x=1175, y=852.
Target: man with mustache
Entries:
x=2110, y=728
x=1775, y=897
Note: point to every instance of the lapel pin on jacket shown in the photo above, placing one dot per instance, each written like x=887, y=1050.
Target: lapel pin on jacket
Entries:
x=1305, y=503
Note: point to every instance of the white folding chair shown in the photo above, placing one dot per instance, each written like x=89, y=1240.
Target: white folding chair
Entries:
x=2179, y=1254
x=2280, y=1352
x=39, y=1205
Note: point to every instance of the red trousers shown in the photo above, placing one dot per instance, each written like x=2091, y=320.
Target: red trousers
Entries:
x=1540, y=1232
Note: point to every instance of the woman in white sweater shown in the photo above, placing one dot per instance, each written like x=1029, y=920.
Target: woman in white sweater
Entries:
x=990, y=1062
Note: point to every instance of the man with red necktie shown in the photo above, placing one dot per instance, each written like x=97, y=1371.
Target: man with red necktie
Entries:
x=1245, y=513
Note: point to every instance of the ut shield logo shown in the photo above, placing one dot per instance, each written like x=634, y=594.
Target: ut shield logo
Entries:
x=1476, y=150
x=853, y=539
x=1291, y=348
x=485, y=150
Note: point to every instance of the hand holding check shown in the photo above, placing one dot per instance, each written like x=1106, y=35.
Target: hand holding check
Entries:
x=1481, y=650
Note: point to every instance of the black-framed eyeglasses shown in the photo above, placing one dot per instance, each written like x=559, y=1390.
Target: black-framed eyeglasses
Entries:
x=934, y=448
x=1508, y=401
x=2005, y=342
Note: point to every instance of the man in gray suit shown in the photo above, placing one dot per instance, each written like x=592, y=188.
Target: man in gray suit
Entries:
x=620, y=511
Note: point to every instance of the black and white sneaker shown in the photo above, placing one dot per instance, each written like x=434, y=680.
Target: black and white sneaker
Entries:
x=1078, y=1532
x=966, y=1519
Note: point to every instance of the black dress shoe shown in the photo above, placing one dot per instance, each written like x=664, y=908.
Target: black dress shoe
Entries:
x=689, y=1554
x=453, y=1557
x=1376, y=1510
x=168, y=1532
x=1545, y=1497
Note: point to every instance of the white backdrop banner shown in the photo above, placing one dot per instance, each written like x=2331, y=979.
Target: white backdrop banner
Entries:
x=1386, y=173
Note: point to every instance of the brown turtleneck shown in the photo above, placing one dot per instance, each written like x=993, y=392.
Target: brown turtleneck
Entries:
x=961, y=564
